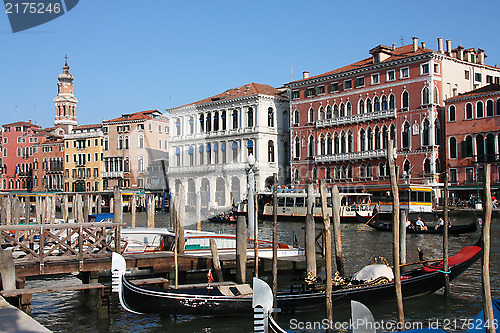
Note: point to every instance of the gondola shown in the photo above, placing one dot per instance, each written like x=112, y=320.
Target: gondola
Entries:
x=222, y=218
x=237, y=299
x=452, y=230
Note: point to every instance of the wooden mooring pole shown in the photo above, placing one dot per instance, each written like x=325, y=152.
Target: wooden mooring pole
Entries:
x=310, y=235
x=64, y=208
x=256, y=237
x=151, y=212
x=402, y=237
x=216, y=261
x=133, y=209
x=27, y=208
x=395, y=231
x=445, y=237
x=241, y=249
x=487, y=305
x=275, y=239
x=328, y=250
x=181, y=218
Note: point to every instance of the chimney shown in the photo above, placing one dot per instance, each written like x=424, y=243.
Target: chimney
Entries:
x=480, y=56
x=460, y=53
x=440, y=45
x=305, y=75
x=29, y=121
x=448, y=47
x=393, y=46
x=415, y=44
x=423, y=45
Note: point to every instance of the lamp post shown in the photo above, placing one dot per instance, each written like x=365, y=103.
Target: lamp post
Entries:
x=250, y=197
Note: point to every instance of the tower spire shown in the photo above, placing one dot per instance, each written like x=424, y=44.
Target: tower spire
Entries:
x=65, y=101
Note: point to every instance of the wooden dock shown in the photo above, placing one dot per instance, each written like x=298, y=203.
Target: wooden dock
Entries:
x=13, y=320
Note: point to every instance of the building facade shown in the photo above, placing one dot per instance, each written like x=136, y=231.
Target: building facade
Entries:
x=210, y=141
x=342, y=120
x=133, y=145
x=83, y=159
x=48, y=165
x=473, y=138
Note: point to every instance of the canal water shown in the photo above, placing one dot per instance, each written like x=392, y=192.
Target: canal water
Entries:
x=75, y=311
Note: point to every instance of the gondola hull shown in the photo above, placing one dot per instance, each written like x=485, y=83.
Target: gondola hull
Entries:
x=453, y=230
x=204, y=301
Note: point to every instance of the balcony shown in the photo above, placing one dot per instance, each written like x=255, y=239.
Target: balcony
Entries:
x=113, y=174
x=359, y=155
x=356, y=118
x=221, y=133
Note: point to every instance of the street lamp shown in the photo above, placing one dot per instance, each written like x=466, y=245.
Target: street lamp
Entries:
x=251, y=191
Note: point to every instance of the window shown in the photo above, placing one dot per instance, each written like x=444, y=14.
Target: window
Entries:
x=159, y=144
x=191, y=155
x=296, y=118
x=321, y=113
x=310, y=150
x=297, y=147
x=468, y=111
x=310, y=92
x=453, y=176
x=436, y=68
x=320, y=90
x=223, y=119
x=159, y=129
x=426, y=134
x=406, y=135
x=369, y=106
x=347, y=84
x=270, y=117
x=452, y=113
x=405, y=100
x=140, y=142
x=405, y=72
x=216, y=121
x=208, y=123
x=453, y=147
x=360, y=82
x=477, y=77
x=479, y=109
x=426, y=96
x=391, y=75
x=384, y=103
x=392, y=102
x=202, y=122
x=96, y=157
x=334, y=87
x=311, y=115
x=376, y=104
x=250, y=117
x=424, y=69
x=234, y=147
x=250, y=148
x=361, y=107
x=178, y=127
x=235, y=119
x=270, y=151
x=467, y=74
x=436, y=95
x=489, y=108
x=201, y=154
x=498, y=107
x=469, y=175
x=296, y=94
x=467, y=147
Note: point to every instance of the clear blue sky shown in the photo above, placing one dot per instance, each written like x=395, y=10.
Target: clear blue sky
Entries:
x=129, y=56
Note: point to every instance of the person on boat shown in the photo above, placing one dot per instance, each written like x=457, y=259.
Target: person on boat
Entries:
x=440, y=223
x=420, y=224
x=408, y=223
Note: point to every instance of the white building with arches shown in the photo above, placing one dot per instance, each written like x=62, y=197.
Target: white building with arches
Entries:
x=210, y=141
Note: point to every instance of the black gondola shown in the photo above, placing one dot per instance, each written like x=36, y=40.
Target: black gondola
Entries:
x=452, y=230
x=237, y=299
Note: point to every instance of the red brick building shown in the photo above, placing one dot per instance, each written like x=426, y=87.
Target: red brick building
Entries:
x=48, y=165
x=342, y=120
x=473, y=137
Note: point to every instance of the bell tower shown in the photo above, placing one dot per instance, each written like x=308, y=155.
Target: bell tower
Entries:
x=65, y=101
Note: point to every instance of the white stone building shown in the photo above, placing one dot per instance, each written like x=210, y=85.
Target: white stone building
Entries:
x=210, y=141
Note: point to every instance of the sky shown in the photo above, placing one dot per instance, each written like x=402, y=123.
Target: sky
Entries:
x=128, y=56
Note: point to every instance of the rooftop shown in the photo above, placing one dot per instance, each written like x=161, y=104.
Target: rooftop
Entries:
x=491, y=88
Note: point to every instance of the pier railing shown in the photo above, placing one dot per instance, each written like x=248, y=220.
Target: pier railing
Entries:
x=65, y=241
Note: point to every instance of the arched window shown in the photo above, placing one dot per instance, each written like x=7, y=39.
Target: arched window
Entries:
x=490, y=147
x=427, y=166
x=384, y=103
x=202, y=122
x=250, y=117
x=329, y=145
x=426, y=99
x=370, y=138
x=426, y=135
x=407, y=168
x=297, y=147
x=479, y=109
x=328, y=112
x=322, y=143
x=437, y=132
x=392, y=102
x=368, y=105
x=377, y=138
x=120, y=142
x=480, y=148
x=178, y=126
x=191, y=125
x=362, y=139
x=216, y=121
x=235, y=119
x=321, y=113
x=452, y=113
x=342, y=110
x=453, y=147
x=296, y=175
x=467, y=150
x=498, y=107
x=436, y=95
x=349, y=142
x=468, y=111
x=405, y=100
x=177, y=156
x=362, y=171
x=369, y=170
x=310, y=150
x=314, y=174
x=208, y=122
x=406, y=135
x=335, y=111
x=376, y=104
x=349, y=109
x=385, y=137
x=270, y=117
x=296, y=117
x=270, y=151
x=250, y=148
x=361, y=106
x=336, y=144
x=223, y=119
x=235, y=149
x=311, y=115
x=328, y=173
x=342, y=143
x=490, y=112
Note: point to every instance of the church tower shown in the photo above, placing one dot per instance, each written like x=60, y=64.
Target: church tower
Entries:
x=65, y=101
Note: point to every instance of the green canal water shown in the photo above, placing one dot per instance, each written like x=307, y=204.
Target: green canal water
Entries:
x=76, y=311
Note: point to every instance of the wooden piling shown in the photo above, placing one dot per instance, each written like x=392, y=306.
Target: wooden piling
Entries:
x=98, y=204
x=256, y=237
x=64, y=208
x=7, y=270
x=53, y=209
x=181, y=219
x=151, y=212
x=337, y=239
x=103, y=302
x=486, y=286
x=118, y=205
x=16, y=214
x=402, y=237
x=8, y=209
x=328, y=248
x=38, y=209
x=395, y=231
x=241, y=249
x=4, y=211
x=445, y=237
x=275, y=239
x=198, y=210
x=86, y=207
x=133, y=209
x=27, y=209
x=216, y=261
x=310, y=234
x=111, y=205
